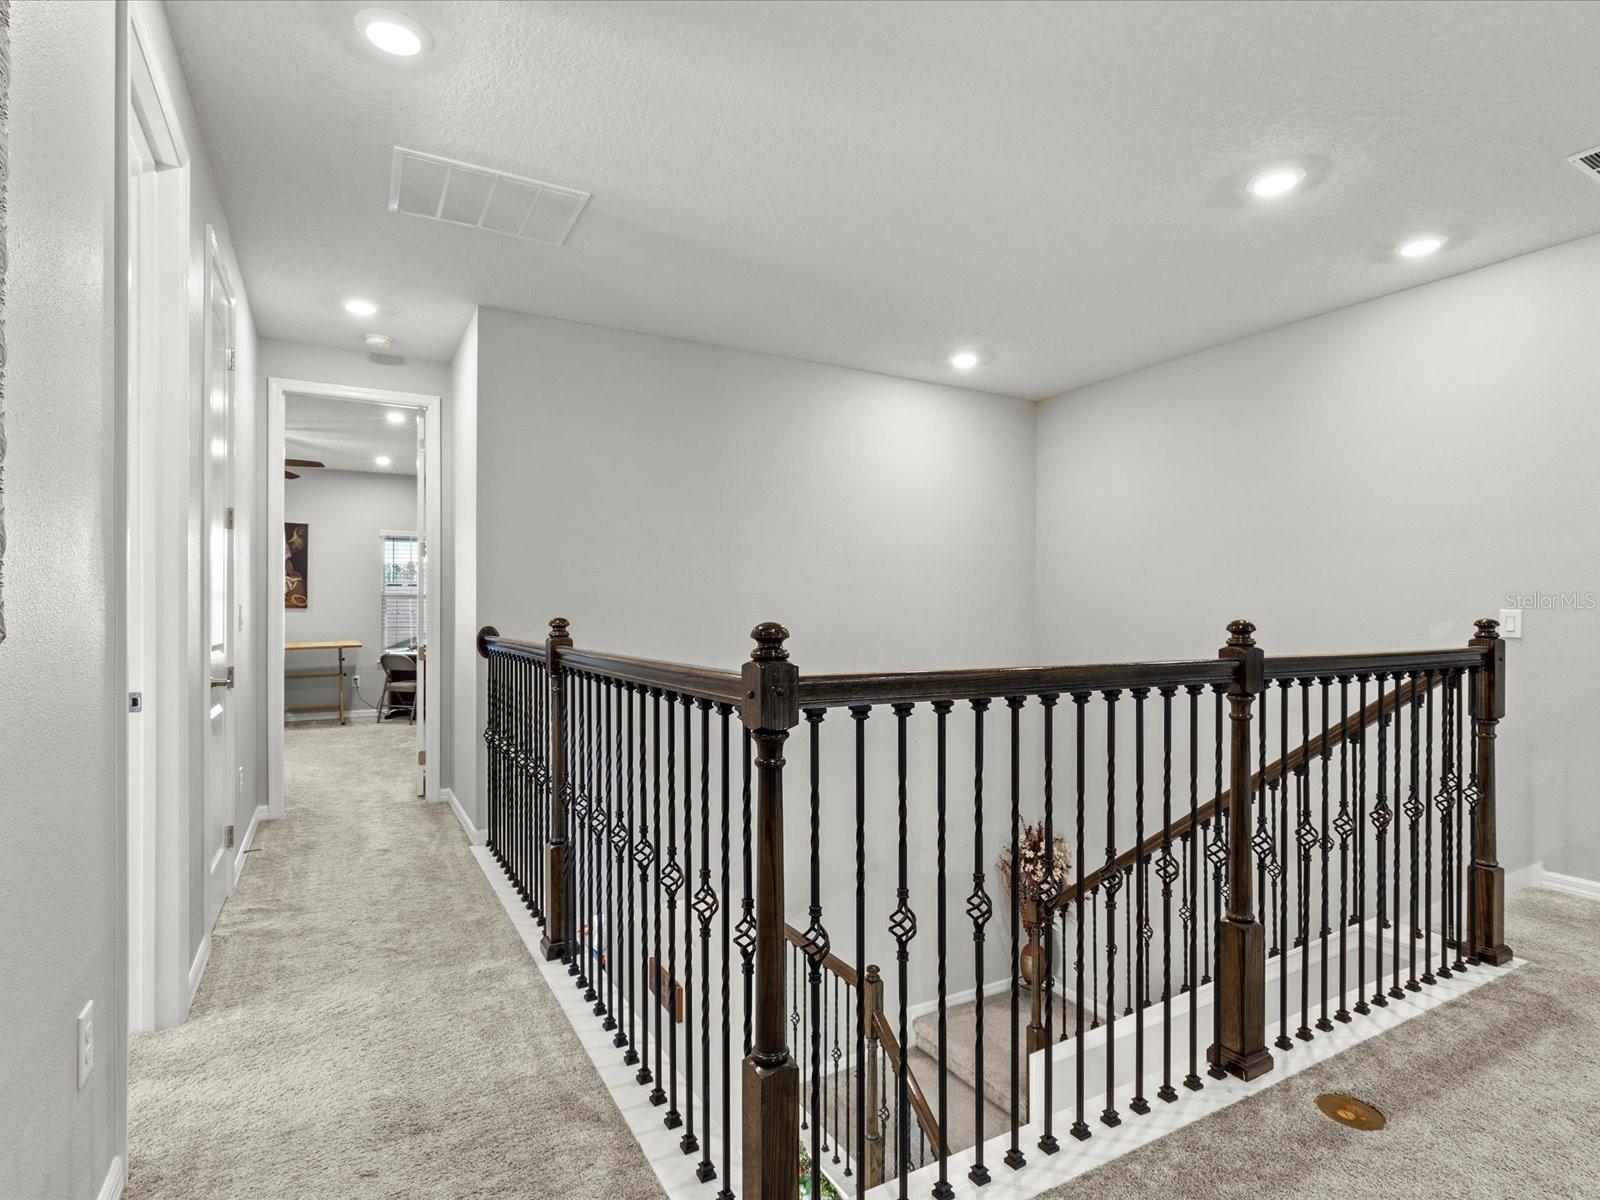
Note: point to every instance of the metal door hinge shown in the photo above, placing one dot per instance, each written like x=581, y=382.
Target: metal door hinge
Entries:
x=227, y=518
x=422, y=758
x=135, y=702
x=227, y=835
x=230, y=359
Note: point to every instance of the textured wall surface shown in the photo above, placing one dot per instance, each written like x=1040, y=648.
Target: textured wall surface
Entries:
x=1377, y=477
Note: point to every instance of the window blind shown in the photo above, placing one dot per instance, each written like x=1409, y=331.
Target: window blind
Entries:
x=400, y=598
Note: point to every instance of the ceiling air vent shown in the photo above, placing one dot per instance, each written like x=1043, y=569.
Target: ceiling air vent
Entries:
x=426, y=185
x=1588, y=162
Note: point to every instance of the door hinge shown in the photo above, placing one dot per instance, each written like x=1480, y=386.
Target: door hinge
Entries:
x=230, y=359
x=422, y=758
x=227, y=835
x=227, y=518
x=135, y=702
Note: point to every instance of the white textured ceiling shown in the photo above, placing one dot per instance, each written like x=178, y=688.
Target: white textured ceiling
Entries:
x=346, y=435
x=1058, y=186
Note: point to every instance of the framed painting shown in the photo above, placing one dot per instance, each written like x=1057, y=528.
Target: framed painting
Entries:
x=296, y=539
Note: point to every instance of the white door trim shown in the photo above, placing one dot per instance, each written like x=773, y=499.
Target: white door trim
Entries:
x=155, y=500
x=272, y=597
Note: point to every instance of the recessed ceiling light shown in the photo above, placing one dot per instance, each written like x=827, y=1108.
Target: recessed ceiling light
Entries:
x=381, y=461
x=1421, y=246
x=395, y=417
x=1279, y=181
x=391, y=32
x=963, y=360
x=378, y=341
x=357, y=307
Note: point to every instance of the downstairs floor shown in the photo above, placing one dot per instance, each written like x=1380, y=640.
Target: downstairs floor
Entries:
x=371, y=1026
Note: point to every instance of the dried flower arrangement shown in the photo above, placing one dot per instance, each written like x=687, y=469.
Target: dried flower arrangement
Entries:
x=1042, y=873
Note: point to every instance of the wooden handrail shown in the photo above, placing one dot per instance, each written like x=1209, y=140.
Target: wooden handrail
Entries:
x=823, y=691
x=919, y=1102
x=488, y=640
x=1274, y=772
x=703, y=683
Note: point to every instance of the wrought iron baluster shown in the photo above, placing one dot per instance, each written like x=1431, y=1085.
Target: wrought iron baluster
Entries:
x=1343, y=826
x=1014, y=1156
x=1139, y=909
x=1277, y=854
x=745, y=933
x=1425, y=798
x=1191, y=890
x=1167, y=871
x=688, y=1143
x=858, y=718
x=1112, y=884
x=1325, y=843
x=1048, y=898
x=815, y=946
x=1396, y=992
x=1217, y=853
x=1414, y=810
x=724, y=713
x=1382, y=815
x=705, y=907
x=1080, y=1127
x=980, y=908
x=603, y=857
x=1462, y=831
x=903, y=928
x=644, y=852
x=1306, y=837
x=1444, y=802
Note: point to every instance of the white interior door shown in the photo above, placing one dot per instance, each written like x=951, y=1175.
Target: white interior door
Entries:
x=220, y=759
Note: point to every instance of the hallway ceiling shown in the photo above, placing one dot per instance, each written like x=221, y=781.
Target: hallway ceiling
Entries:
x=1060, y=187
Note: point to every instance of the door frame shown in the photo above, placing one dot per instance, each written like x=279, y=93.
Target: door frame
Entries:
x=272, y=597
x=155, y=501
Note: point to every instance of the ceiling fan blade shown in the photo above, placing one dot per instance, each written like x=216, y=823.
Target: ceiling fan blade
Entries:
x=302, y=462
x=290, y=475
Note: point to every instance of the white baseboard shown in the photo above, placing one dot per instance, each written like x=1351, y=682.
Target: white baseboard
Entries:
x=244, y=842
x=1534, y=875
x=116, y=1178
x=1588, y=888
x=197, y=970
x=475, y=836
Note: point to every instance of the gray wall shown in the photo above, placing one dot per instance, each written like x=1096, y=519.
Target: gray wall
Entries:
x=62, y=939
x=458, y=570
x=1375, y=477
x=346, y=510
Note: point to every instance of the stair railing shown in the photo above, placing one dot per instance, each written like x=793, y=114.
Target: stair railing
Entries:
x=624, y=803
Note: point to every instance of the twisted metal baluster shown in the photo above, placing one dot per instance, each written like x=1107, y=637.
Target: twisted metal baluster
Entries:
x=706, y=905
x=1396, y=992
x=941, y=712
x=671, y=881
x=1049, y=897
x=1343, y=826
x=1191, y=889
x=1080, y=1127
x=1448, y=931
x=980, y=908
x=688, y=1143
x=745, y=933
x=1462, y=832
x=1306, y=836
x=1277, y=856
x=661, y=988
x=724, y=712
x=858, y=717
x=1138, y=879
x=1325, y=842
x=1414, y=811
x=1113, y=881
x=1014, y=1156
x=1381, y=817
x=603, y=852
x=902, y=927
x=1167, y=870
x=1426, y=800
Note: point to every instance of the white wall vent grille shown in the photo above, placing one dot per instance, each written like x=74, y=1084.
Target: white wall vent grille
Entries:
x=425, y=185
x=1588, y=162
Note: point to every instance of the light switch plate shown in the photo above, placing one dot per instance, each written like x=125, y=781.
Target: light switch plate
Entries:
x=1510, y=622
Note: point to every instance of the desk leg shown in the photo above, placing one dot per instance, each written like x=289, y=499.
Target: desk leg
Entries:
x=341, y=685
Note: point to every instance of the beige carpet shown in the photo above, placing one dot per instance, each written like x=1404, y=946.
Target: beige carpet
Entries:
x=370, y=1024
x=1491, y=1095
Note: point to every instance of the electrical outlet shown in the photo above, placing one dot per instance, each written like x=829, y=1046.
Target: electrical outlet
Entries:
x=85, y=1043
x=355, y=682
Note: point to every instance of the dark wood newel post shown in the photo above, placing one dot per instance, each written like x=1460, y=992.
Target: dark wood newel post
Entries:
x=556, y=942
x=1487, y=885
x=1241, y=993
x=771, y=1078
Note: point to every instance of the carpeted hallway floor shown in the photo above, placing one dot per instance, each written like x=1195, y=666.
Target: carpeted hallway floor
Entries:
x=369, y=1024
